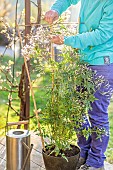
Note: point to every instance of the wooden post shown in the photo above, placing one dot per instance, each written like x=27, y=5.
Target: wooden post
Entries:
x=27, y=32
x=39, y=11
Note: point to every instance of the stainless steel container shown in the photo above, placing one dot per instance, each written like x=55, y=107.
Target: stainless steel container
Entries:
x=16, y=152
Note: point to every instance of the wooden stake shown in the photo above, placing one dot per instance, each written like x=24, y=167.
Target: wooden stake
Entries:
x=34, y=101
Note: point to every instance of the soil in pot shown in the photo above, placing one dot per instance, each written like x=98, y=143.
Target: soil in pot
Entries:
x=58, y=163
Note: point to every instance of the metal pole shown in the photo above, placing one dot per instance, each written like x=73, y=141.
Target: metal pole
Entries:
x=27, y=32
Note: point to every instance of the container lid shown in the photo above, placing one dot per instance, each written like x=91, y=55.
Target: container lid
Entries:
x=18, y=133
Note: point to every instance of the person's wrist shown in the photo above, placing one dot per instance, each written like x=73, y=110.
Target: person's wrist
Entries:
x=57, y=12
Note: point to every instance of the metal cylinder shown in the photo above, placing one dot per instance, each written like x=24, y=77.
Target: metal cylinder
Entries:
x=16, y=152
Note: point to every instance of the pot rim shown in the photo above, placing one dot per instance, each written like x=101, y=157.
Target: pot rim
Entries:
x=43, y=152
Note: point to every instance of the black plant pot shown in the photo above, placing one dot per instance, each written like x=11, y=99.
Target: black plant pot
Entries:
x=59, y=163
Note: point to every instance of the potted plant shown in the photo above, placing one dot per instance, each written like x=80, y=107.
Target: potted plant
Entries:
x=69, y=95
x=69, y=98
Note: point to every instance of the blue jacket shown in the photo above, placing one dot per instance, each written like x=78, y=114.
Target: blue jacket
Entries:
x=95, y=38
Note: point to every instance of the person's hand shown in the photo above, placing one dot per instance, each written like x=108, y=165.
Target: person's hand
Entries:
x=51, y=16
x=57, y=39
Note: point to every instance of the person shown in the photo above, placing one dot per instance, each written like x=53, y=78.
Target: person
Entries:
x=95, y=44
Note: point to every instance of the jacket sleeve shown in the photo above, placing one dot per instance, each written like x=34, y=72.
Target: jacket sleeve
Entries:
x=61, y=5
x=98, y=36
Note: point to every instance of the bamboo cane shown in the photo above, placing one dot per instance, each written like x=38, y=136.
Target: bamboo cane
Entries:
x=32, y=93
x=34, y=101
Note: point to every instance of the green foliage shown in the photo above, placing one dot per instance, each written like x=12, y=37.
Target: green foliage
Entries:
x=69, y=98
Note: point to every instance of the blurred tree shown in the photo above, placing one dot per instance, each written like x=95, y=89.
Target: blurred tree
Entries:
x=5, y=8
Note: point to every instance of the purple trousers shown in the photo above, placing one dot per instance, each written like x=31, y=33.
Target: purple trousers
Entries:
x=93, y=149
